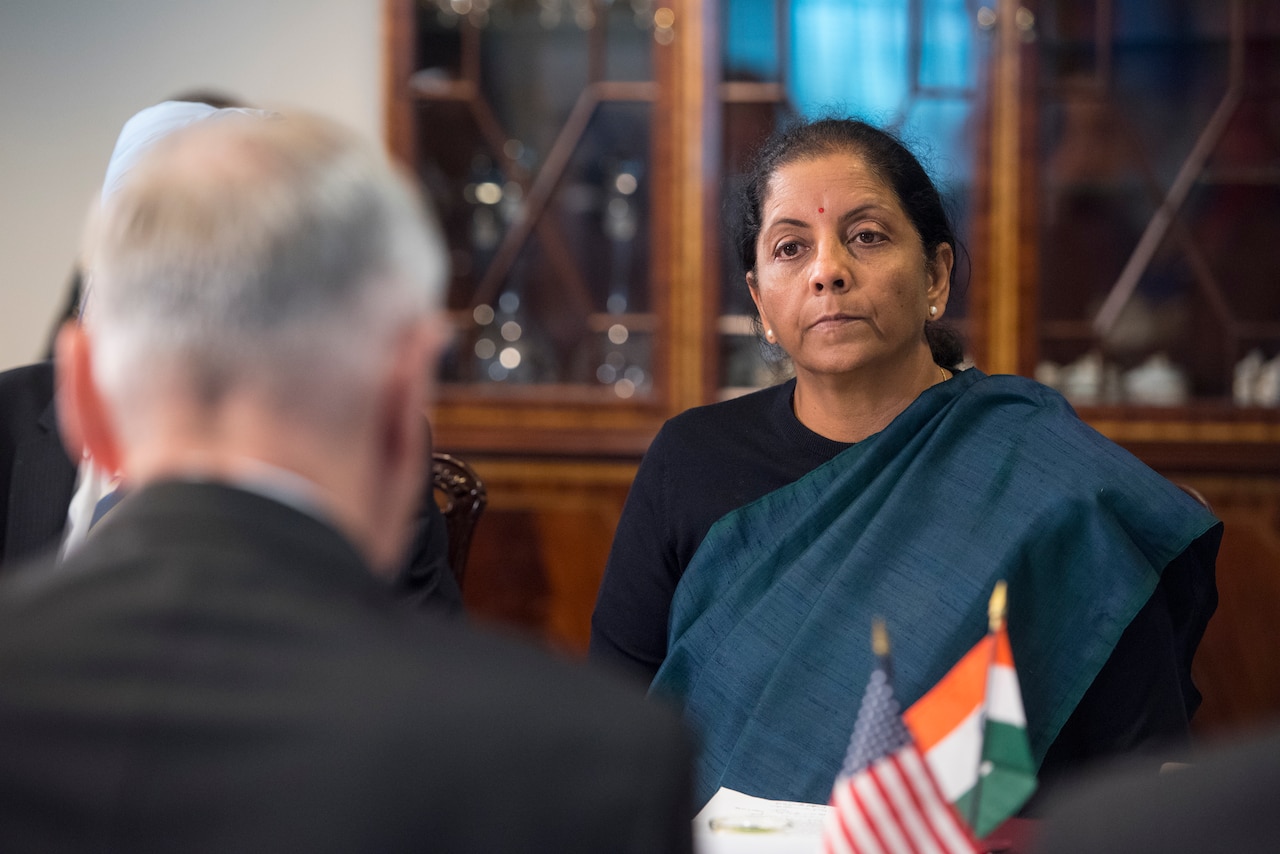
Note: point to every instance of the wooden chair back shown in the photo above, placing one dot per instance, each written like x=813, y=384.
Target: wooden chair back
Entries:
x=461, y=497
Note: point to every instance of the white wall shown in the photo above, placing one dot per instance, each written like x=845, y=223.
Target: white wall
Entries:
x=72, y=72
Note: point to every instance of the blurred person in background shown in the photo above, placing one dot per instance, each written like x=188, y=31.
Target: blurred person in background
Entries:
x=50, y=495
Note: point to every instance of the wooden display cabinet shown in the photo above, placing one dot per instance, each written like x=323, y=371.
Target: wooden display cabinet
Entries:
x=1149, y=142
x=553, y=138
x=570, y=148
x=1130, y=259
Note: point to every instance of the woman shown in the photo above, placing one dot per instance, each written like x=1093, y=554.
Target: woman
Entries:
x=763, y=534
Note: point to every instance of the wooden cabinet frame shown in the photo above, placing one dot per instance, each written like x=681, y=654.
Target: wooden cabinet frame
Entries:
x=538, y=421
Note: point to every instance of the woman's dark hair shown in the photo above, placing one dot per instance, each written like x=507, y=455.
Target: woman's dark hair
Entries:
x=891, y=161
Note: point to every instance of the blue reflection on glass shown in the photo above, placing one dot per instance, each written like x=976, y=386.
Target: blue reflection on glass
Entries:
x=849, y=57
x=856, y=57
x=750, y=43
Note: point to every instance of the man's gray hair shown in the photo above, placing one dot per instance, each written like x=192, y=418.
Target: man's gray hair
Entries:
x=285, y=255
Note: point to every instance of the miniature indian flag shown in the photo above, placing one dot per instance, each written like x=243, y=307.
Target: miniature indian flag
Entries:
x=973, y=733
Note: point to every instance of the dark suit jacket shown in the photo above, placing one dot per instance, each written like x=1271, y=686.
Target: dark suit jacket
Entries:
x=37, y=478
x=220, y=672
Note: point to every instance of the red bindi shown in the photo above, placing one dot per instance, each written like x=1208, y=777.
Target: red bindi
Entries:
x=822, y=210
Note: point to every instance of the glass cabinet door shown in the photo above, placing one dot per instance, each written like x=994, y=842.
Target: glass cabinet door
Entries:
x=914, y=67
x=531, y=127
x=1159, y=138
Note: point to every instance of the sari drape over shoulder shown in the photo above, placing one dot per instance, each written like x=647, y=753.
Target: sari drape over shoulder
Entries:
x=981, y=478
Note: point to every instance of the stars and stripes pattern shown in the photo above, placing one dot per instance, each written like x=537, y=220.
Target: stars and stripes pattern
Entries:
x=885, y=798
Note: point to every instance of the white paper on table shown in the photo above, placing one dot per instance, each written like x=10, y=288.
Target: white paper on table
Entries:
x=764, y=826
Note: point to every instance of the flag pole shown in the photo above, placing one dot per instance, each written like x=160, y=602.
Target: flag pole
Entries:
x=995, y=621
x=879, y=638
x=880, y=646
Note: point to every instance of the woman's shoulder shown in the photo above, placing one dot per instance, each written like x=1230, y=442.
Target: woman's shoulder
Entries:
x=1042, y=431
x=1020, y=407
x=1013, y=390
x=1023, y=412
x=746, y=414
x=745, y=439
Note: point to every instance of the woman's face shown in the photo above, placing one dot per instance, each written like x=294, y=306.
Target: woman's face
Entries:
x=840, y=280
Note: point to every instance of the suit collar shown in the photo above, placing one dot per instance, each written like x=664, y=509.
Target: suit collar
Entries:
x=208, y=517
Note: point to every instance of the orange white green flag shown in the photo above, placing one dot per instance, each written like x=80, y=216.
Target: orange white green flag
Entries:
x=973, y=733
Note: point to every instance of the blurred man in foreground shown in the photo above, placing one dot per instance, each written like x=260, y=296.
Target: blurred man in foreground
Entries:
x=218, y=669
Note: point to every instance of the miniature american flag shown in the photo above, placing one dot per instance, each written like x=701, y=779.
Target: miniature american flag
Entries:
x=885, y=799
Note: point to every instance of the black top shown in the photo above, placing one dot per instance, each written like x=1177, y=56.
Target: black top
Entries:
x=703, y=464
x=711, y=460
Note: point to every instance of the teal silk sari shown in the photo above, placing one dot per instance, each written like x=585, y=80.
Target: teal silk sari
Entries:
x=981, y=478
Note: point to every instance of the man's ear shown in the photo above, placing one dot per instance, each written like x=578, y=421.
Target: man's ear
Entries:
x=409, y=387
x=84, y=420
x=402, y=434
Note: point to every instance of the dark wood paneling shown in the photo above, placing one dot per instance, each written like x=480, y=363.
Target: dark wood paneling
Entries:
x=1238, y=665
x=540, y=548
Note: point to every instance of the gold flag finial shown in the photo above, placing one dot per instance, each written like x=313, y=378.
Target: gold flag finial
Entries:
x=879, y=638
x=996, y=608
